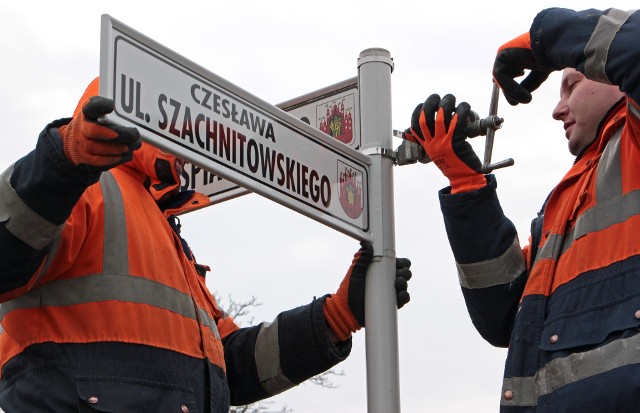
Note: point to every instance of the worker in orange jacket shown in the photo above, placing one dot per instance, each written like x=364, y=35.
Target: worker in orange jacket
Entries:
x=566, y=305
x=104, y=307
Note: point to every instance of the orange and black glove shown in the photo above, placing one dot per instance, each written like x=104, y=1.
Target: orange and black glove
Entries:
x=344, y=310
x=513, y=58
x=440, y=127
x=96, y=147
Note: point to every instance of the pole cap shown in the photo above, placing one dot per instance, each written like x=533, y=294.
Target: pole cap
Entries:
x=375, y=54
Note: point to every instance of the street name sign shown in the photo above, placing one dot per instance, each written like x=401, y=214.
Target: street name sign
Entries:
x=200, y=117
x=332, y=109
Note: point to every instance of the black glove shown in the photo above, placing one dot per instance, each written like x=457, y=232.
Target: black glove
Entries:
x=94, y=146
x=440, y=127
x=344, y=310
x=403, y=275
x=511, y=61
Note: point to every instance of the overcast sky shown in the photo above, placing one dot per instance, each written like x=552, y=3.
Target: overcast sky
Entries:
x=279, y=50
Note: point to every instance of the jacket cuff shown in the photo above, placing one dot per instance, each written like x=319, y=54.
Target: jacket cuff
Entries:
x=46, y=181
x=304, y=339
x=559, y=37
x=53, y=148
x=476, y=225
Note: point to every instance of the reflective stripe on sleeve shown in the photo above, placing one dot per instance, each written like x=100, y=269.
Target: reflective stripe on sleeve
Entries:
x=524, y=391
x=597, y=48
x=267, y=356
x=21, y=221
x=501, y=270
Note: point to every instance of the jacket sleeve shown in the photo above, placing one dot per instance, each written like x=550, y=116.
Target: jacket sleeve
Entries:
x=601, y=44
x=37, y=195
x=490, y=261
x=270, y=358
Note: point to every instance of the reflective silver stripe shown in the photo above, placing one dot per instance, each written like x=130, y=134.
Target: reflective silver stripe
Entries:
x=551, y=248
x=631, y=107
x=50, y=258
x=104, y=287
x=523, y=390
x=611, y=207
x=21, y=221
x=602, y=216
x=209, y=322
x=118, y=285
x=116, y=249
x=597, y=48
x=116, y=252
x=573, y=368
x=267, y=356
x=501, y=270
x=609, y=178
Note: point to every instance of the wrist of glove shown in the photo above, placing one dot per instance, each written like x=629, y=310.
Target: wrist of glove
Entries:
x=512, y=59
x=344, y=310
x=440, y=127
x=96, y=147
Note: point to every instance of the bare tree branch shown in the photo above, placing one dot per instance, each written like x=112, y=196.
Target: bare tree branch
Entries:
x=239, y=310
x=324, y=379
x=259, y=408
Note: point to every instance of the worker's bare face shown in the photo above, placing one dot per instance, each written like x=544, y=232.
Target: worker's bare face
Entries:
x=583, y=103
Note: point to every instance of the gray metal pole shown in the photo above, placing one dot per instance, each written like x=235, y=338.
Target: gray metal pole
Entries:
x=383, y=388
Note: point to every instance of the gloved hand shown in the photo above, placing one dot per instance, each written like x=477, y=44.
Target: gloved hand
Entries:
x=96, y=147
x=443, y=137
x=344, y=310
x=511, y=61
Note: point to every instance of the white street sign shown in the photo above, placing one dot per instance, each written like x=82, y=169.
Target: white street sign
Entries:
x=332, y=110
x=189, y=111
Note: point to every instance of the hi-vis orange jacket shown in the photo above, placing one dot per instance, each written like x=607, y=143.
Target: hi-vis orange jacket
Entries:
x=568, y=306
x=103, y=304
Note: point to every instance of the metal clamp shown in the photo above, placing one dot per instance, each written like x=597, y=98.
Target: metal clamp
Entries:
x=409, y=152
x=380, y=151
